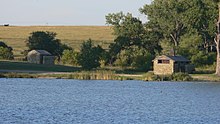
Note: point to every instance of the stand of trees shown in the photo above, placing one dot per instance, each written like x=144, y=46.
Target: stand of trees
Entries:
x=187, y=27
x=41, y=40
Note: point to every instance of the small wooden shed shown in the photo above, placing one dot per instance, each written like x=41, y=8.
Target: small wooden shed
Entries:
x=40, y=57
x=165, y=65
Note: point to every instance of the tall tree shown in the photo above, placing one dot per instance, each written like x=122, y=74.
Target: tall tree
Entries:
x=217, y=40
x=46, y=41
x=167, y=15
x=90, y=55
x=199, y=18
x=130, y=34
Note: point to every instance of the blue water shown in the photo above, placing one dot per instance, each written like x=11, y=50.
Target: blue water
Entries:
x=52, y=101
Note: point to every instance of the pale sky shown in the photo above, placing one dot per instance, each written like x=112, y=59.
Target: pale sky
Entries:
x=65, y=12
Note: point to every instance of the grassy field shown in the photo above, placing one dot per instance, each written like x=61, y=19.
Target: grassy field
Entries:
x=15, y=36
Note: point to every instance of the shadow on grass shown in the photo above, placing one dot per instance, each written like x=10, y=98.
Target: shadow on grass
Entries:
x=11, y=65
x=204, y=72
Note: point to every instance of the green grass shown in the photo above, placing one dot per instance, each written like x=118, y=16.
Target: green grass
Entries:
x=206, y=77
x=9, y=65
x=208, y=69
x=73, y=36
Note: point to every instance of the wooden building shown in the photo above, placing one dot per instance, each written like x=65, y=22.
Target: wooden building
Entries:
x=165, y=65
x=40, y=57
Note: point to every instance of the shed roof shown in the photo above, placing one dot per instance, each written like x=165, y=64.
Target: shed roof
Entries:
x=174, y=58
x=41, y=52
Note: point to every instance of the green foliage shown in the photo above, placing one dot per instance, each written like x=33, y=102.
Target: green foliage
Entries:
x=41, y=40
x=190, y=44
x=123, y=59
x=2, y=44
x=142, y=61
x=181, y=77
x=187, y=26
x=70, y=57
x=174, y=77
x=6, y=51
x=90, y=55
x=167, y=46
x=201, y=58
x=166, y=17
x=131, y=35
x=125, y=25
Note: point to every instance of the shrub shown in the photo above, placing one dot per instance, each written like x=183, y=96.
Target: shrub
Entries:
x=181, y=77
x=174, y=77
x=5, y=53
x=123, y=59
x=70, y=57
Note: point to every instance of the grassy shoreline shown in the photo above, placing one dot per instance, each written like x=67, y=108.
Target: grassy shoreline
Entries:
x=101, y=75
x=14, y=69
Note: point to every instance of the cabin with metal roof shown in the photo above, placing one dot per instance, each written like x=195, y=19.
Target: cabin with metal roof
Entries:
x=166, y=65
x=40, y=57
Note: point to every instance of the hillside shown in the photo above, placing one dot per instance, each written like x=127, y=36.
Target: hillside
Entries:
x=15, y=36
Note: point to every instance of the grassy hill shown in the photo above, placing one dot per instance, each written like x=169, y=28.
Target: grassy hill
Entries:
x=15, y=36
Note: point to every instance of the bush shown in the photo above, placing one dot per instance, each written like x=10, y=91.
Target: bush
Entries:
x=174, y=77
x=123, y=59
x=5, y=53
x=70, y=57
x=181, y=77
x=151, y=77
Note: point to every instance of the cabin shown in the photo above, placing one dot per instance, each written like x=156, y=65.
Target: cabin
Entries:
x=40, y=57
x=166, y=65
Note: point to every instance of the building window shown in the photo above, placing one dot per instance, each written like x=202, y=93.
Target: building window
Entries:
x=163, y=61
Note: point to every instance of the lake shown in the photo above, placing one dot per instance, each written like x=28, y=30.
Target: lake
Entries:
x=59, y=101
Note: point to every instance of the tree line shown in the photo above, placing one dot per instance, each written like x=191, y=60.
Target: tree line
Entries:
x=187, y=27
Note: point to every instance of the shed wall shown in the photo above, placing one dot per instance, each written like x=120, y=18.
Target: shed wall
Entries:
x=34, y=58
x=49, y=60
x=163, y=69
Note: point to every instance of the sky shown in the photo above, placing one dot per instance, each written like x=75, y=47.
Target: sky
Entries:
x=65, y=12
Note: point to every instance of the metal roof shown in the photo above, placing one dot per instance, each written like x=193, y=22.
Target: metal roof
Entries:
x=174, y=58
x=42, y=52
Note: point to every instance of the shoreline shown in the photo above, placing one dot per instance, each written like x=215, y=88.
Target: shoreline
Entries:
x=94, y=75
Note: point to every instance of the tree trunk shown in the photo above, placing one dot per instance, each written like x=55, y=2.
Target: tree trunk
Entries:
x=217, y=41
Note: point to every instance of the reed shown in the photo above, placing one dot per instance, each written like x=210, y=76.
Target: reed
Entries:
x=18, y=75
x=96, y=75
